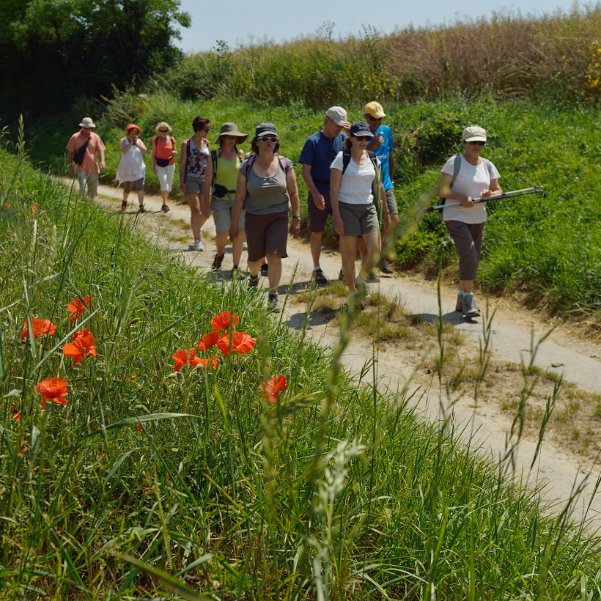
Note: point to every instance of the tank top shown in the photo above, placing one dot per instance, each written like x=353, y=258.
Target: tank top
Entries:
x=227, y=173
x=266, y=195
x=196, y=165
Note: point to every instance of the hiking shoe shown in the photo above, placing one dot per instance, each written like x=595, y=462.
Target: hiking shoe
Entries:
x=198, y=245
x=165, y=209
x=372, y=278
x=386, y=268
x=459, y=303
x=253, y=281
x=469, y=306
x=319, y=278
x=264, y=270
x=272, y=301
x=124, y=206
x=216, y=266
x=141, y=209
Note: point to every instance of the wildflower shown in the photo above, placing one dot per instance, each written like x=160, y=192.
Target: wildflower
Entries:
x=183, y=357
x=81, y=346
x=7, y=206
x=34, y=209
x=16, y=413
x=77, y=306
x=41, y=327
x=222, y=320
x=139, y=427
x=273, y=387
x=211, y=362
x=207, y=341
x=242, y=343
x=53, y=390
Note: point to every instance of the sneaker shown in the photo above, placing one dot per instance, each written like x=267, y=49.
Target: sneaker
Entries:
x=264, y=270
x=319, y=278
x=216, y=266
x=253, y=281
x=198, y=245
x=165, y=209
x=469, y=306
x=141, y=209
x=386, y=268
x=372, y=278
x=272, y=301
x=459, y=303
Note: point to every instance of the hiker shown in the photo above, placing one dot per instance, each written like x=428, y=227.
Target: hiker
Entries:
x=463, y=177
x=266, y=186
x=195, y=169
x=226, y=165
x=85, y=151
x=353, y=189
x=164, y=150
x=132, y=170
x=319, y=151
x=383, y=145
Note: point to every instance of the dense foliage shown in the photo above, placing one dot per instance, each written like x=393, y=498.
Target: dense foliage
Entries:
x=54, y=51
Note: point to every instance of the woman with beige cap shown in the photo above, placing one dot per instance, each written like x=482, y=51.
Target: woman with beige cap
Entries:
x=164, y=150
x=465, y=177
x=226, y=165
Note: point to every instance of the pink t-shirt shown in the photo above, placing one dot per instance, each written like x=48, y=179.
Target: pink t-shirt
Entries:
x=89, y=164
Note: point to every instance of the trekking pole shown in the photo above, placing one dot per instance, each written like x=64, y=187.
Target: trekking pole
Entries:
x=510, y=194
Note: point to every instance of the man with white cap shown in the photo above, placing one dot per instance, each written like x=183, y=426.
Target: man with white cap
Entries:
x=317, y=155
x=85, y=157
x=383, y=146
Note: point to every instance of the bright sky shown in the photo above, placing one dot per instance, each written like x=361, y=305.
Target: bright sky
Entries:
x=241, y=22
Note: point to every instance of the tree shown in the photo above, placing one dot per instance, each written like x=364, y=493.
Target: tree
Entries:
x=54, y=51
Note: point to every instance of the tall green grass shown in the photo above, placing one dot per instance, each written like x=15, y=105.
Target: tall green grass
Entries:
x=150, y=479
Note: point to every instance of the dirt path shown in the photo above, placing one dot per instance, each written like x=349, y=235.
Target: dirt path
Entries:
x=486, y=422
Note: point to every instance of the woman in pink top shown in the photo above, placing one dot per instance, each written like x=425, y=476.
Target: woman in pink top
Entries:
x=163, y=160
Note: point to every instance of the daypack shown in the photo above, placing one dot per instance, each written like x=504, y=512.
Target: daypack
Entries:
x=456, y=168
x=80, y=153
x=162, y=162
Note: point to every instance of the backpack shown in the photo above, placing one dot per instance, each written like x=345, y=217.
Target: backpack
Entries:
x=456, y=169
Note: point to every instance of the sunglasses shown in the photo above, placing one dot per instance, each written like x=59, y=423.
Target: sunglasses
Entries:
x=164, y=131
x=363, y=138
x=477, y=143
x=273, y=139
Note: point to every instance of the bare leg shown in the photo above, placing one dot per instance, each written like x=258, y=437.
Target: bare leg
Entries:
x=348, y=253
x=220, y=243
x=141, y=197
x=193, y=201
x=275, y=271
x=253, y=268
x=237, y=245
x=315, y=244
x=371, y=243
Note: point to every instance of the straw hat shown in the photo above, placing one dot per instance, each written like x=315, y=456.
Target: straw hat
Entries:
x=231, y=129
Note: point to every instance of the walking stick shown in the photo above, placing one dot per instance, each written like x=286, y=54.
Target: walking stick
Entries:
x=510, y=194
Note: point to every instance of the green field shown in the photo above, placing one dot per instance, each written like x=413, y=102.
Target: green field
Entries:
x=150, y=480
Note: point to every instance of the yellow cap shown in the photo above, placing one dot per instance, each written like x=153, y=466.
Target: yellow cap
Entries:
x=374, y=109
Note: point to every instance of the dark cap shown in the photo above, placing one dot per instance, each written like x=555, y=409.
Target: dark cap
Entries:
x=265, y=129
x=360, y=128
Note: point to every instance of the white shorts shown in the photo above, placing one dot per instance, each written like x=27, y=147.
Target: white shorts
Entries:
x=165, y=175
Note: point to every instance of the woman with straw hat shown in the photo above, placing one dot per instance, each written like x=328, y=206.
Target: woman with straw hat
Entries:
x=226, y=165
x=164, y=150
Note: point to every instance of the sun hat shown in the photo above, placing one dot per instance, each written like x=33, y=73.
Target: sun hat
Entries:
x=474, y=133
x=360, y=128
x=337, y=114
x=87, y=122
x=132, y=126
x=264, y=129
x=163, y=125
x=374, y=109
x=231, y=129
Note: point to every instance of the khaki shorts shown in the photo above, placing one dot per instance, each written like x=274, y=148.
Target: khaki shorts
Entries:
x=358, y=220
x=194, y=185
x=266, y=234
x=222, y=214
x=393, y=209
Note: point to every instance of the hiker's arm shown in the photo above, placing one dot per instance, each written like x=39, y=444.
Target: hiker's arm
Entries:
x=141, y=146
x=102, y=164
x=294, y=202
x=238, y=204
x=70, y=166
x=493, y=190
x=316, y=195
x=182, y=166
x=335, y=179
x=206, y=189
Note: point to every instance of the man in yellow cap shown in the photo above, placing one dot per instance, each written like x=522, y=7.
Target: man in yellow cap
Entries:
x=383, y=146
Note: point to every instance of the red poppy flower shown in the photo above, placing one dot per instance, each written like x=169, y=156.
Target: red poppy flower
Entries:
x=242, y=343
x=41, y=327
x=53, y=390
x=222, y=320
x=81, y=346
x=77, y=306
x=273, y=387
x=211, y=362
x=16, y=413
x=139, y=427
x=207, y=341
x=7, y=206
x=34, y=209
x=183, y=357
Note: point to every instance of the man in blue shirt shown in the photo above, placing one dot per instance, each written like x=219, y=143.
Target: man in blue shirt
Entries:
x=317, y=155
x=383, y=146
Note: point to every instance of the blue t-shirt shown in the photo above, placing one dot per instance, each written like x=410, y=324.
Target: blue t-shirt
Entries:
x=383, y=153
x=319, y=151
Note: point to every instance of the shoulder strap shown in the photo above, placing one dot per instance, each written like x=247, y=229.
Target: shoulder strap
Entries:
x=214, y=161
x=346, y=159
x=456, y=169
x=283, y=163
x=249, y=164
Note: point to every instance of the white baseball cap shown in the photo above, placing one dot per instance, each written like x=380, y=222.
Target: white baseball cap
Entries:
x=337, y=114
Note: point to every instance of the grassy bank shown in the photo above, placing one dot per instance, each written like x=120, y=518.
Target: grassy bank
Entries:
x=332, y=490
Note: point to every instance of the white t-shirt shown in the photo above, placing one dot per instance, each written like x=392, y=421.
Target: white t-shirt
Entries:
x=470, y=181
x=355, y=186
